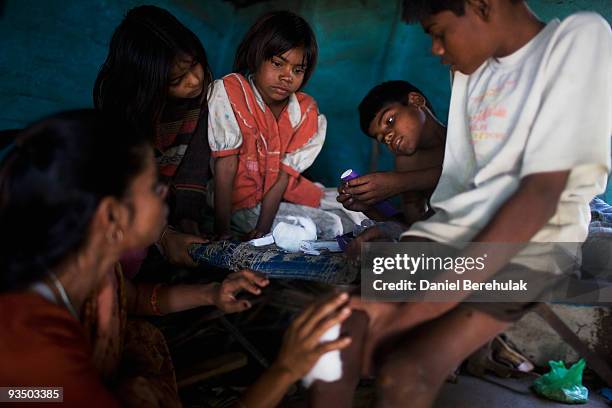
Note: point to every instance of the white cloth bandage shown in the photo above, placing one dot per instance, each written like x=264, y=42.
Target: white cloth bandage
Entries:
x=329, y=366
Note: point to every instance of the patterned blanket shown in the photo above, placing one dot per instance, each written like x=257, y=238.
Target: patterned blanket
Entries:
x=333, y=268
x=275, y=263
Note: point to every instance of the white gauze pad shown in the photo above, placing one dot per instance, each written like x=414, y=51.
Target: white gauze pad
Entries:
x=289, y=235
x=329, y=366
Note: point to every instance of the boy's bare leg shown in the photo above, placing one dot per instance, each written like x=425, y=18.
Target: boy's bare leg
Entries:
x=389, y=319
x=416, y=370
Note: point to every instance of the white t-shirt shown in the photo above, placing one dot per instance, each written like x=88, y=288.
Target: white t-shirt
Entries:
x=546, y=107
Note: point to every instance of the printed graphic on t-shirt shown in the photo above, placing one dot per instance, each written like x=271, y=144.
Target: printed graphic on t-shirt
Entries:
x=490, y=116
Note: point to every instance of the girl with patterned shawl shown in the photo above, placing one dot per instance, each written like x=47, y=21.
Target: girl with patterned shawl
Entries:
x=155, y=77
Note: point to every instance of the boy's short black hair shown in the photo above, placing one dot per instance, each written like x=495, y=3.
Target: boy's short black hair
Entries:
x=274, y=34
x=413, y=11
x=382, y=95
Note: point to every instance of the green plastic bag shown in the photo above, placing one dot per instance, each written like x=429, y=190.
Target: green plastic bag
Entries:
x=563, y=384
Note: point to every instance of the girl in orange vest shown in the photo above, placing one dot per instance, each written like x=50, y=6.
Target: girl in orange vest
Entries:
x=264, y=132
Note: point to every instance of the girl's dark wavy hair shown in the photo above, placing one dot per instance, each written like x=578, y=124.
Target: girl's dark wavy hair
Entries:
x=133, y=82
x=274, y=34
x=51, y=184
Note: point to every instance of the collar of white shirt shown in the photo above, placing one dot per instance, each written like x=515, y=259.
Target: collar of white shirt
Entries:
x=293, y=106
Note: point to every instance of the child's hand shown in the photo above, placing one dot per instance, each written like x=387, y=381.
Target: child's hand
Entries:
x=373, y=188
x=353, y=251
x=189, y=227
x=222, y=236
x=234, y=283
x=255, y=233
x=176, y=246
x=348, y=201
x=301, y=348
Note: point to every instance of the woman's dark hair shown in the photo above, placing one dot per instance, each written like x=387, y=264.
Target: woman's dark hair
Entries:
x=274, y=34
x=51, y=184
x=385, y=94
x=133, y=82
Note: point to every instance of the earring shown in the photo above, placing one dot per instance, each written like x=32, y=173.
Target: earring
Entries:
x=114, y=236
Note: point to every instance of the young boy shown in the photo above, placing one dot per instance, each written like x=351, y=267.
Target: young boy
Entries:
x=396, y=114
x=528, y=146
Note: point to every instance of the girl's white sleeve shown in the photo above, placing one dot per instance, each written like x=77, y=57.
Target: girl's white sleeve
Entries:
x=224, y=136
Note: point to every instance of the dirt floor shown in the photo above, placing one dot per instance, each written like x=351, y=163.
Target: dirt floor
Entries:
x=468, y=392
x=511, y=393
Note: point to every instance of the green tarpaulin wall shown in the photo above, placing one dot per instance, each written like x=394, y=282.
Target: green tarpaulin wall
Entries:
x=50, y=52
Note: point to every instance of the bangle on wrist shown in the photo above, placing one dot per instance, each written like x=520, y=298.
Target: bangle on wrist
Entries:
x=164, y=233
x=160, y=242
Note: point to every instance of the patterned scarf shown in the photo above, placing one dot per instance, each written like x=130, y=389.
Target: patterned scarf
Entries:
x=183, y=156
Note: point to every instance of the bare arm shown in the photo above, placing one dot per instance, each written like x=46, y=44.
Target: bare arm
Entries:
x=176, y=298
x=375, y=187
x=225, y=171
x=170, y=299
x=540, y=193
x=270, y=204
x=299, y=352
x=414, y=206
x=175, y=246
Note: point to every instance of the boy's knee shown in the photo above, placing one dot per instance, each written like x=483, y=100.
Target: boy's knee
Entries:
x=356, y=327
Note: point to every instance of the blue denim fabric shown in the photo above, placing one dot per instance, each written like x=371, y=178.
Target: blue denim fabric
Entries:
x=601, y=218
x=597, y=249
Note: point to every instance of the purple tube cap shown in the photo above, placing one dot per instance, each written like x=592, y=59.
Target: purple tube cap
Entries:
x=349, y=175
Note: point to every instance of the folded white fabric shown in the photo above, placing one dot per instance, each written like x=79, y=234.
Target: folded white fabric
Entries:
x=267, y=239
x=329, y=366
x=288, y=235
x=315, y=247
